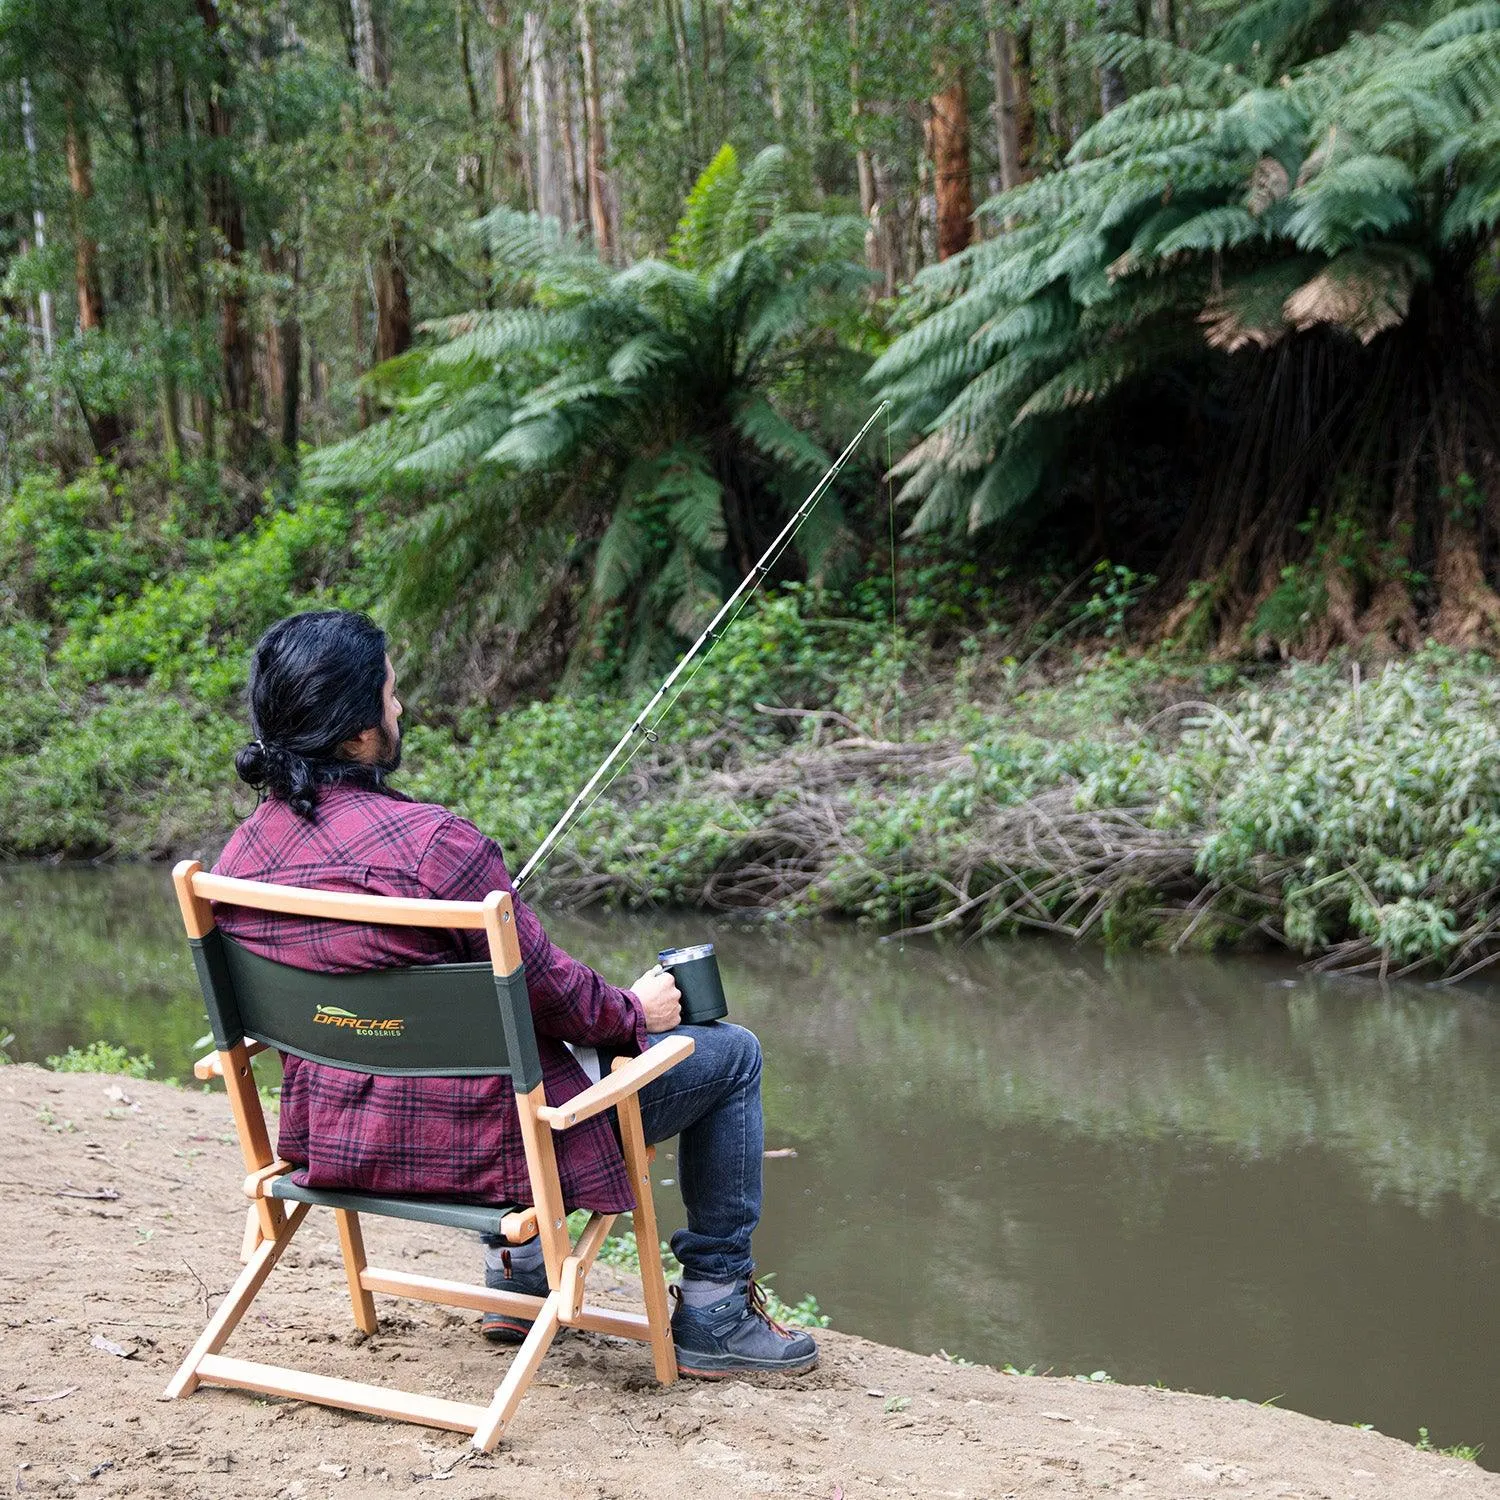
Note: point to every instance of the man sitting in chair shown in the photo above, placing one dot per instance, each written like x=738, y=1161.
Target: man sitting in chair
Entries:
x=325, y=717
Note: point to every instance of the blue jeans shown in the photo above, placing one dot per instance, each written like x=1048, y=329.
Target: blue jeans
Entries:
x=711, y=1101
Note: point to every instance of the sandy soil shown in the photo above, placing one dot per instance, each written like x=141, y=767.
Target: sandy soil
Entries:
x=101, y=1294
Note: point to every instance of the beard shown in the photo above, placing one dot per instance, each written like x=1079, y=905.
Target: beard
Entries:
x=389, y=760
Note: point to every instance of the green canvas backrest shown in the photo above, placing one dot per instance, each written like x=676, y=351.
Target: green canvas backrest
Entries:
x=438, y=1020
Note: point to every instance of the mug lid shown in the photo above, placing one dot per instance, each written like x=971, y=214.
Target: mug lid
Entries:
x=669, y=956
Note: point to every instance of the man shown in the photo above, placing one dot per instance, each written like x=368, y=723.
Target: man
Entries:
x=326, y=721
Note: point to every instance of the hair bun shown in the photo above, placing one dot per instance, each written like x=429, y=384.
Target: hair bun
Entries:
x=251, y=764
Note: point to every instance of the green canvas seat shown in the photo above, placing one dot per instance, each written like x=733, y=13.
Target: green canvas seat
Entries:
x=449, y=1020
x=477, y=1217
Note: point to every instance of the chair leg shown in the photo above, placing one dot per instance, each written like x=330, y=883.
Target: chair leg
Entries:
x=510, y=1390
x=236, y=1301
x=352, y=1243
x=653, y=1283
x=252, y=1236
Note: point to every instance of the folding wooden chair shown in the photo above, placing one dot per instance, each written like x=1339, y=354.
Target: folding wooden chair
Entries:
x=448, y=1020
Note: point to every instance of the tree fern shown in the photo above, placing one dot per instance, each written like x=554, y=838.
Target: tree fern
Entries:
x=615, y=428
x=1290, y=234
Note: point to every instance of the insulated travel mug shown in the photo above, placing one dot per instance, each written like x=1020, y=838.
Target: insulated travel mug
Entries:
x=696, y=971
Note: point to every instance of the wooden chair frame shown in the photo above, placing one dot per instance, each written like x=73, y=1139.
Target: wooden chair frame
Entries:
x=270, y=1224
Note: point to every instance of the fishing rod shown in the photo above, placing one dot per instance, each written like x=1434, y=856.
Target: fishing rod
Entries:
x=747, y=585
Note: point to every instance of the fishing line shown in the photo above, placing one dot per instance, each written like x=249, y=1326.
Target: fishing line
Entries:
x=650, y=734
x=729, y=610
x=890, y=491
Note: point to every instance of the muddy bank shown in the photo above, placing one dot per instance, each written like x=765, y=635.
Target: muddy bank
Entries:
x=138, y=1270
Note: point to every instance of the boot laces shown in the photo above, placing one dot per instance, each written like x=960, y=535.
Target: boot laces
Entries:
x=756, y=1299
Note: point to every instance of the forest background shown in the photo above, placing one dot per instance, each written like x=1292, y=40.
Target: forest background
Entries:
x=1162, y=608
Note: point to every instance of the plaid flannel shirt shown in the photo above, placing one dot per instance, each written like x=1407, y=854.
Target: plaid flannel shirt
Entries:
x=445, y=1137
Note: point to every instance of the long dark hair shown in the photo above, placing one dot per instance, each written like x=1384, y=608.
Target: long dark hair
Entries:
x=317, y=680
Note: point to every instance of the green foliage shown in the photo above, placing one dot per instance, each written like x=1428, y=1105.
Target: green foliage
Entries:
x=102, y=1057
x=1468, y=1452
x=194, y=629
x=620, y=423
x=1218, y=214
x=61, y=544
x=1117, y=589
x=119, y=771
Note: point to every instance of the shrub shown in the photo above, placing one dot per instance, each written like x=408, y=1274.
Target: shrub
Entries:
x=61, y=545
x=102, y=1057
x=196, y=629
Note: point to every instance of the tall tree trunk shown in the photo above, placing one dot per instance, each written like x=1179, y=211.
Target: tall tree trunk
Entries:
x=863, y=162
x=226, y=217
x=1012, y=105
x=553, y=197
x=291, y=359
x=599, y=188
x=38, y=213
x=889, y=234
x=1111, y=78
x=359, y=332
x=156, y=275
x=105, y=430
x=812, y=126
x=1025, y=104
x=1062, y=118
x=283, y=264
x=949, y=135
x=570, y=116
x=392, y=300
x=712, y=105
x=85, y=246
x=392, y=304
x=678, y=32
x=195, y=239
x=476, y=174
x=509, y=141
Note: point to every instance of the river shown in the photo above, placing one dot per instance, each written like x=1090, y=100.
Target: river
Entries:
x=1223, y=1176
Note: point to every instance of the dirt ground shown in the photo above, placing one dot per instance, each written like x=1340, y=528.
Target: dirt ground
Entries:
x=121, y=1225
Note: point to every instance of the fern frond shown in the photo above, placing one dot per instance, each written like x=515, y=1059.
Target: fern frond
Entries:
x=1216, y=229
x=1249, y=311
x=1217, y=80
x=453, y=450
x=1013, y=478
x=490, y=336
x=1363, y=291
x=945, y=505
x=534, y=445
x=1350, y=200
x=696, y=241
x=758, y=201
x=621, y=554
x=638, y=358
x=1093, y=377
x=767, y=430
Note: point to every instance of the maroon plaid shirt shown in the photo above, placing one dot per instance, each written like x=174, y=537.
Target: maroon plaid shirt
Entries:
x=447, y=1137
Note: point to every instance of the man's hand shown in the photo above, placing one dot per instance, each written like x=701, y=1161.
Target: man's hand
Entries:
x=660, y=999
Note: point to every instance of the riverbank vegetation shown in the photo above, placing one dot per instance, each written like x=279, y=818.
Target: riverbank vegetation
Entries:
x=845, y=764
x=1157, y=614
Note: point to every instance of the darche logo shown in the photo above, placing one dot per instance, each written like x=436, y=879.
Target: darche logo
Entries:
x=331, y=1015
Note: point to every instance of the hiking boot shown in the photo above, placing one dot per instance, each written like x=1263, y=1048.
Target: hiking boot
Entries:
x=737, y=1336
x=512, y=1328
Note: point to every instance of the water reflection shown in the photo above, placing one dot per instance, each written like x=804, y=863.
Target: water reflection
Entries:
x=1217, y=1175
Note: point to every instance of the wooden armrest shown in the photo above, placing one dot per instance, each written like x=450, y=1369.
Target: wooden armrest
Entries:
x=628, y=1075
x=208, y=1067
x=255, y=1183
